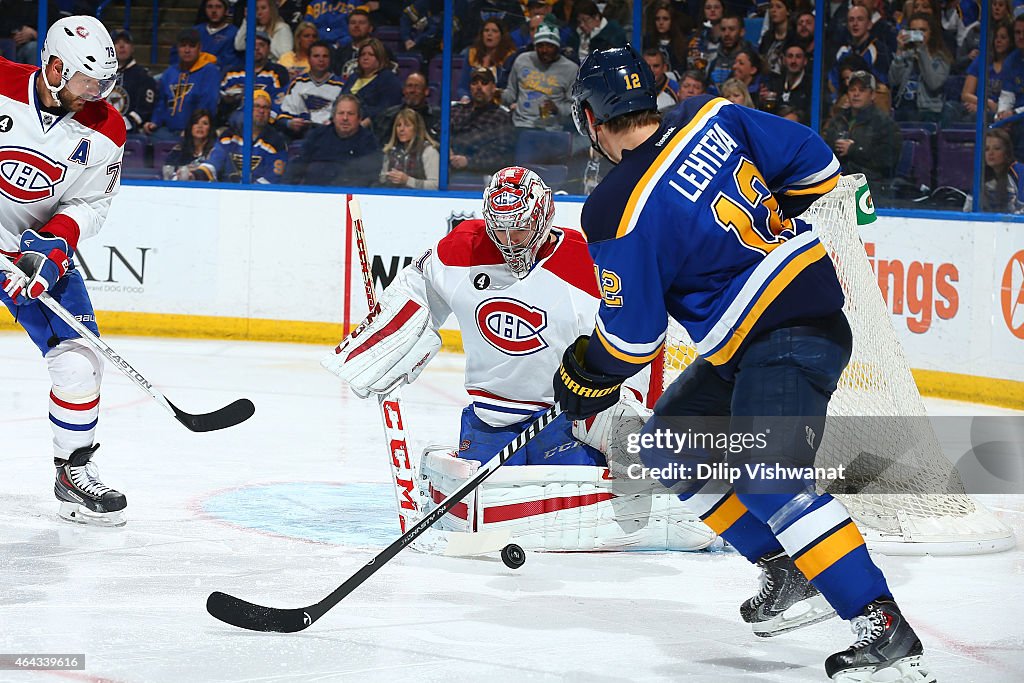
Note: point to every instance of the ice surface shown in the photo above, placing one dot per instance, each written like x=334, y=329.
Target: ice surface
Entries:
x=283, y=508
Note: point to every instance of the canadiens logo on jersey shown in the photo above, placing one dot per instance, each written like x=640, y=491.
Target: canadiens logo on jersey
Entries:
x=28, y=176
x=511, y=326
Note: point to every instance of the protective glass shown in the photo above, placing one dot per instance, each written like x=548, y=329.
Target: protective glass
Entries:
x=89, y=88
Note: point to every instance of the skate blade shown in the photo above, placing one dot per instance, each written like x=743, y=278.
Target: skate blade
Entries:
x=906, y=670
x=807, y=612
x=78, y=514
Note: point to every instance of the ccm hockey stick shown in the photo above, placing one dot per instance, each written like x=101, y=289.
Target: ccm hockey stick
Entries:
x=402, y=472
x=243, y=614
x=228, y=416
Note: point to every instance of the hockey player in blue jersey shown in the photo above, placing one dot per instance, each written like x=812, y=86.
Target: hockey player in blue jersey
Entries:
x=698, y=220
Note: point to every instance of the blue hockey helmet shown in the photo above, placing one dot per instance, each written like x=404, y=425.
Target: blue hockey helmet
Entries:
x=611, y=83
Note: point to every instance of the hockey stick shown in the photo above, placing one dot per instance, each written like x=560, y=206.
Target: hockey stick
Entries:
x=243, y=614
x=402, y=471
x=228, y=416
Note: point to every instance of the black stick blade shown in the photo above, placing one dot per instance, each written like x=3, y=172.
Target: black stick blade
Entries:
x=228, y=416
x=238, y=612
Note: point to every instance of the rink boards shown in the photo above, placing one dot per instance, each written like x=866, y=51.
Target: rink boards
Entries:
x=279, y=265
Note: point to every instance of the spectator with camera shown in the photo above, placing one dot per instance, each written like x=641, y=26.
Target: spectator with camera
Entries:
x=917, y=75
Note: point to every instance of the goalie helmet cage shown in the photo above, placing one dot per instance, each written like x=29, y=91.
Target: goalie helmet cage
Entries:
x=908, y=498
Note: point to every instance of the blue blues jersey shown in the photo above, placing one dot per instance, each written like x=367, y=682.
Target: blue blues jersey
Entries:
x=269, y=158
x=699, y=223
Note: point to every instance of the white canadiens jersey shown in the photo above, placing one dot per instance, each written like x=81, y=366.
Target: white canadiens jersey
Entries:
x=57, y=173
x=513, y=331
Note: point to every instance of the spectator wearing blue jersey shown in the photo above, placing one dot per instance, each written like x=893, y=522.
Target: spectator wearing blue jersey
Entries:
x=268, y=148
x=331, y=20
x=217, y=35
x=342, y=152
x=863, y=44
x=668, y=87
x=1003, y=190
x=376, y=85
x=270, y=77
x=134, y=96
x=733, y=41
x=194, y=83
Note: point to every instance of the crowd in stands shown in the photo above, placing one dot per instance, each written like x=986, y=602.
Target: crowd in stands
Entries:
x=351, y=93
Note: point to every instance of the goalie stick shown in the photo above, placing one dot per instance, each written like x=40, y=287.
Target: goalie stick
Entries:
x=403, y=474
x=247, y=615
x=228, y=416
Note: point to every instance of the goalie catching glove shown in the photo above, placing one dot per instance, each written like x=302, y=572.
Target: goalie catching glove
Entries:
x=390, y=348
x=44, y=260
x=582, y=393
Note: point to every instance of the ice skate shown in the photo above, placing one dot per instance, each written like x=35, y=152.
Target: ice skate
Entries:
x=886, y=650
x=84, y=498
x=786, y=601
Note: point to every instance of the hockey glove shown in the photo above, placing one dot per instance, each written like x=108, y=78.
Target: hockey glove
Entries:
x=44, y=260
x=582, y=393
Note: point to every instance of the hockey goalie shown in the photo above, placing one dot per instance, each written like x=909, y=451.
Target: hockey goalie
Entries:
x=521, y=291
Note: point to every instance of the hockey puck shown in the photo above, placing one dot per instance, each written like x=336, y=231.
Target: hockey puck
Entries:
x=513, y=556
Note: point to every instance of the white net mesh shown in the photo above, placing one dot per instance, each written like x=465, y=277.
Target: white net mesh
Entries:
x=901, y=489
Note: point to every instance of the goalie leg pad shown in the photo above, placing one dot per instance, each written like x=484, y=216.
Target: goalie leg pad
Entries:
x=391, y=347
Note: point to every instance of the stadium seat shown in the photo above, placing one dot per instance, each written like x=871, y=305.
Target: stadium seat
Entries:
x=435, y=70
x=294, y=149
x=955, y=159
x=542, y=147
x=160, y=151
x=927, y=126
x=923, y=164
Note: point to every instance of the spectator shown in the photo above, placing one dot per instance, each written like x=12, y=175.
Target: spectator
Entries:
x=666, y=87
x=735, y=90
x=746, y=69
x=268, y=22
x=377, y=86
x=804, y=29
x=663, y=29
x=270, y=77
x=733, y=42
x=268, y=149
x=705, y=43
x=422, y=26
x=919, y=70
x=537, y=13
x=1011, y=79
x=967, y=51
x=848, y=66
x=414, y=97
x=593, y=31
x=774, y=40
x=331, y=20
x=18, y=20
x=360, y=30
x=135, y=93
x=1000, y=49
x=297, y=61
x=1003, y=191
x=217, y=36
x=482, y=135
x=411, y=158
x=195, y=147
x=190, y=84
x=864, y=139
x=882, y=29
x=691, y=84
x=539, y=84
x=493, y=49
x=861, y=43
x=341, y=153
x=795, y=85
x=291, y=12
x=310, y=96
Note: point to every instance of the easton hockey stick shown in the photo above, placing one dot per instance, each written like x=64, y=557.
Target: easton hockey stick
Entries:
x=228, y=416
x=402, y=471
x=243, y=614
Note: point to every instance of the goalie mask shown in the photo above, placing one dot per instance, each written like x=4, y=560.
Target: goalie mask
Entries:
x=518, y=211
x=84, y=48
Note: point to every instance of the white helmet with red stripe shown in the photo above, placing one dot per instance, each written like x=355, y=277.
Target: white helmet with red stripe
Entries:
x=83, y=45
x=518, y=211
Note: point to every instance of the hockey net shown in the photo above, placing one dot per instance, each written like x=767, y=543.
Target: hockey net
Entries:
x=900, y=488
